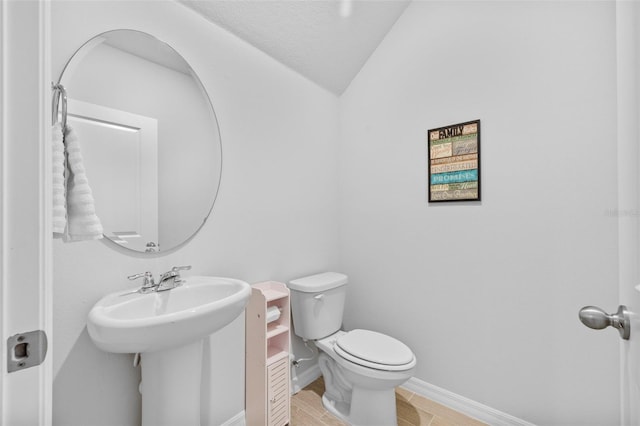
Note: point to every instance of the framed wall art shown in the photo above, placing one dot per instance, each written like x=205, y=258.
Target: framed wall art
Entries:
x=454, y=162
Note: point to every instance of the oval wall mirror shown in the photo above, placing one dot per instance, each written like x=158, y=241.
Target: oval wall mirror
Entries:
x=149, y=139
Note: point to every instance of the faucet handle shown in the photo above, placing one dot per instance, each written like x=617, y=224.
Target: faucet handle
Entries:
x=171, y=279
x=148, y=276
x=176, y=270
x=175, y=273
x=147, y=284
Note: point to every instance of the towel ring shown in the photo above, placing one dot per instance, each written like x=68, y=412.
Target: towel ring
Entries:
x=59, y=92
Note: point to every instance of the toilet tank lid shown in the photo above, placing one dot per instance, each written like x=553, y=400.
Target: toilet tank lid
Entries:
x=319, y=282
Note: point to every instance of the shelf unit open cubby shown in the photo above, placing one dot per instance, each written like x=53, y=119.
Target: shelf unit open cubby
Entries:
x=267, y=349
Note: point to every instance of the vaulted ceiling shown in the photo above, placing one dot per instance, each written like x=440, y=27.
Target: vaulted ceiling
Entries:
x=327, y=41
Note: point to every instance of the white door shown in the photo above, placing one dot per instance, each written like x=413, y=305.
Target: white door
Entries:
x=628, y=66
x=120, y=155
x=628, y=144
x=25, y=224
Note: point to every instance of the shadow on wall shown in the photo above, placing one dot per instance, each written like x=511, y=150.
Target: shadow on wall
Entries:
x=94, y=396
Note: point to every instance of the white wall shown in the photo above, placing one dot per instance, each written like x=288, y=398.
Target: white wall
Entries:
x=275, y=217
x=487, y=293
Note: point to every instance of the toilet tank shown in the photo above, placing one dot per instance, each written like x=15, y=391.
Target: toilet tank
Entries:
x=317, y=304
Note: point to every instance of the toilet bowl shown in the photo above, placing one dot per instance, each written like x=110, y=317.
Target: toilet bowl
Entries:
x=358, y=390
x=361, y=368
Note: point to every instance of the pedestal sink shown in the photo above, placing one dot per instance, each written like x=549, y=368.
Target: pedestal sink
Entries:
x=167, y=329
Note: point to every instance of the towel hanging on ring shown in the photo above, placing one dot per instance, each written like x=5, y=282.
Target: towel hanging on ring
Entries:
x=58, y=165
x=82, y=221
x=74, y=216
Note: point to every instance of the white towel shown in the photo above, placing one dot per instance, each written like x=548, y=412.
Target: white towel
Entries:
x=82, y=222
x=59, y=201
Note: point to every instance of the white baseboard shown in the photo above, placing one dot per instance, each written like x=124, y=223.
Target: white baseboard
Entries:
x=449, y=399
x=305, y=378
x=237, y=420
x=463, y=405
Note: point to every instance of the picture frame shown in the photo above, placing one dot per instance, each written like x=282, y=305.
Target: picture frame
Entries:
x=453, y=158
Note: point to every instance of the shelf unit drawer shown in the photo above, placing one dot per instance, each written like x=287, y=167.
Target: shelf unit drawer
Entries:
x=278, y=393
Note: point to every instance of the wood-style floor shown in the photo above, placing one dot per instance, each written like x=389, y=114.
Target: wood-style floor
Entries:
x=412, y=409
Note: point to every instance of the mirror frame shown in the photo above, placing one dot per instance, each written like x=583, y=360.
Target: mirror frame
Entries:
x=106, y=239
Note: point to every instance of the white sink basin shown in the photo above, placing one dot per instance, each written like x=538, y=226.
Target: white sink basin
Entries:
x=130, y=322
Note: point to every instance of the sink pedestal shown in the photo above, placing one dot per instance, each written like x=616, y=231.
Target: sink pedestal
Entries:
x=171, y=383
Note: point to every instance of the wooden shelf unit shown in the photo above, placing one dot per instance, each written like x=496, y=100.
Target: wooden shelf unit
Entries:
x=267, y=349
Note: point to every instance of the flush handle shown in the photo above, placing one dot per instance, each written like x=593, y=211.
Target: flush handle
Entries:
x=319, y=297
x=596, y=318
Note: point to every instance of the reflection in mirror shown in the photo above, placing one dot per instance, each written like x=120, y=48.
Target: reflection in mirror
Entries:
x=149, y=138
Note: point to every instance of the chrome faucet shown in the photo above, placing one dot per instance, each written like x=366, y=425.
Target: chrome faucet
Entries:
x=171, y=279
x=148, y=284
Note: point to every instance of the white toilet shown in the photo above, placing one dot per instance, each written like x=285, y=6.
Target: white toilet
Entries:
x=361, y=368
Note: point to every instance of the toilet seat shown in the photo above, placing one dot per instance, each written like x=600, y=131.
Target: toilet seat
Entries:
x=374, y=350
